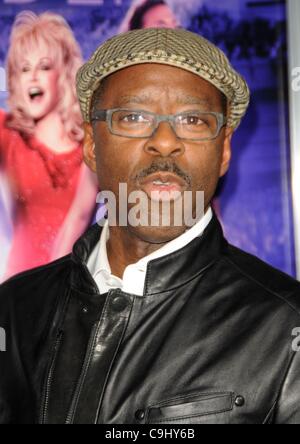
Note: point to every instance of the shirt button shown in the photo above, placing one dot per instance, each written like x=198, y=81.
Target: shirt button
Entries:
x=140, y=415
x=119, y=303
x=239, y=401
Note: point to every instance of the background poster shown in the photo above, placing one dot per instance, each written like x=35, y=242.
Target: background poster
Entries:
x=254, y=200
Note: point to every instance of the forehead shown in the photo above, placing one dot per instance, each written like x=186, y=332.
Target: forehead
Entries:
x=152, y=81
x=158, y=12
x=35, y=49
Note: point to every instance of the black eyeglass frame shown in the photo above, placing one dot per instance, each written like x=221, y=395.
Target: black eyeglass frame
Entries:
x=105, y=115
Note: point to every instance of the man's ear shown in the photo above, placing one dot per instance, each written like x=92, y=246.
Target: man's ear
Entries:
x=226, y=154
x=89, y=146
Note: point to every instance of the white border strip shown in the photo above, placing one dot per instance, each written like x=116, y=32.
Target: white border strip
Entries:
x=294, y=62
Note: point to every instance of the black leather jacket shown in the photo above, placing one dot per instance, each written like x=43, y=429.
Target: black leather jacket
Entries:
x=209, y=342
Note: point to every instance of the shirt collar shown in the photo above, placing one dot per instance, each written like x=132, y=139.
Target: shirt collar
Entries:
x=163, y=274
x=178, y=243
x=98, y=260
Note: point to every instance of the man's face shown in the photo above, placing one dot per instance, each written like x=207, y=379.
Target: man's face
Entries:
x=192, y=165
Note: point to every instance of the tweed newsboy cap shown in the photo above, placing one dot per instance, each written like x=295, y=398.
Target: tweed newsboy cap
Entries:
x=175, y=47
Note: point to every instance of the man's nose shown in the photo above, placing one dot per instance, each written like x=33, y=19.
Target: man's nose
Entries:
x=164, y=142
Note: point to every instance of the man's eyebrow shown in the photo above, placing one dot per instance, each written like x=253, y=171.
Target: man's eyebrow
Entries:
x=143, y=99
x=148, y=100
x=191, y=100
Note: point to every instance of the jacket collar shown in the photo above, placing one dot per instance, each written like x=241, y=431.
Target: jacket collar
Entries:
x=163, y=274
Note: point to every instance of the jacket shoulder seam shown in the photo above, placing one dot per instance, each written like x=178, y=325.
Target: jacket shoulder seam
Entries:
x=28, y=273
x=270, y=291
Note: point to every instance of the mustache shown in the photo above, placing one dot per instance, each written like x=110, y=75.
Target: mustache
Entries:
x=165, y=166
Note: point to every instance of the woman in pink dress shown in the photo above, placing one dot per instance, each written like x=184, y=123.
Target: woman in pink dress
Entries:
x=41, y=142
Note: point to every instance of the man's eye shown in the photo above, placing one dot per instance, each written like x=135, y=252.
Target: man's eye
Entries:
x=25, y=69
x=133, y=118
x=192, y=120
x=45, y=67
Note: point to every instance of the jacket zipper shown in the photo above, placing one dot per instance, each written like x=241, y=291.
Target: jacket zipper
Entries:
x=46, y=396
x=86, y=364
x=70, y=416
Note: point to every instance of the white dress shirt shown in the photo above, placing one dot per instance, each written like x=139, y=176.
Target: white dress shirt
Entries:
x=135, y=274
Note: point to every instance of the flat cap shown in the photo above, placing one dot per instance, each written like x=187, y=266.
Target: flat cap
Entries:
x=175, y=47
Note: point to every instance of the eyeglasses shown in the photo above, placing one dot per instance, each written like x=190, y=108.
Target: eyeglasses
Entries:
x=136, y=124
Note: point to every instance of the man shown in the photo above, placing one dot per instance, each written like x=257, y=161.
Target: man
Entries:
x=152, y=323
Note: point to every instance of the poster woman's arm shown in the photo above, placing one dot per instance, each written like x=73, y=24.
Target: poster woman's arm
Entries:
x=2, y=128
x=79, y=215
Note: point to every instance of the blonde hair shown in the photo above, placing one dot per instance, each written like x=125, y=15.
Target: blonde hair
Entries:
x=51, y=29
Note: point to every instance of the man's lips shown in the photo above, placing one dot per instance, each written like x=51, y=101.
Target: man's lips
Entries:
x=169, y=184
